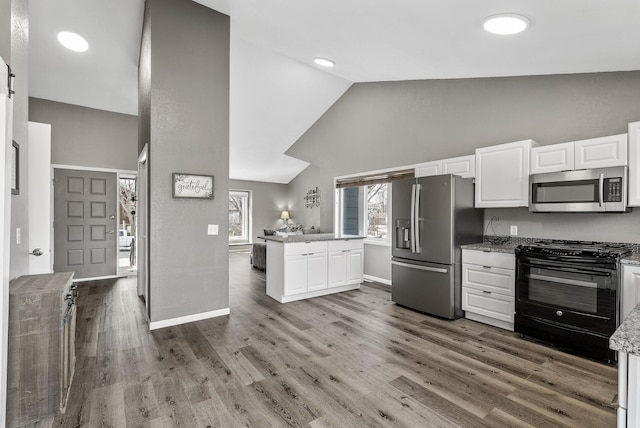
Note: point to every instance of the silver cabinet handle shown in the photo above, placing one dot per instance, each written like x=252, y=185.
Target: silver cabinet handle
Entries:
x=486, y=267
x=559, y=313
x=486, y=292
x=112, y=217
x=37, y=252
x=111, y=232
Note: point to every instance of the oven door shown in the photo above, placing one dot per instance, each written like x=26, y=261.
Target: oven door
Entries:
x=568, y=291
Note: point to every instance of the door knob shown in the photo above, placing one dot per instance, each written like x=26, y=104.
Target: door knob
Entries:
x=37, y=252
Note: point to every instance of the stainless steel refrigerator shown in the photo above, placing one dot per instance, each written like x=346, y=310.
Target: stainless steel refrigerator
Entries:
x=432, y=216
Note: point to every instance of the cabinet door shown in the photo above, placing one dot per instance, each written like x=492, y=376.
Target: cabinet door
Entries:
x=630, y=289
x=316, y=271
x=337, y=268
x=553, y=158
x=295, y=274
x=601, y=152
x=429, y=168
x=634, y=164
x=354, y=266
x=464, y=166
x=492, y=305
x=502, y=175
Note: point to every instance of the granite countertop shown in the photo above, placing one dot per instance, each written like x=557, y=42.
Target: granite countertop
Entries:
x=496, y=248
x=309, y=238
x=627, y=336
x=633, y=259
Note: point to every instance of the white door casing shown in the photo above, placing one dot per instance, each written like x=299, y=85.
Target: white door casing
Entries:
x=6, y=136
x=142, y=226
x=40, y=225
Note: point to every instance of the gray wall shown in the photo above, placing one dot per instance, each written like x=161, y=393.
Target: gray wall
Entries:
x=388, y=124
x=377, y=261
x=298, y=188
x=19, y=61
x=83, y=136
x=188, y=99
x=267, y=202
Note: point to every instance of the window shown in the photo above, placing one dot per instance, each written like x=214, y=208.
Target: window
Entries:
x=366, y=211
x=239, y=216
x=377, y=208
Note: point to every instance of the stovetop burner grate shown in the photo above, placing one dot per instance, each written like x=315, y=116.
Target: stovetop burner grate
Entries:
x=578, y=248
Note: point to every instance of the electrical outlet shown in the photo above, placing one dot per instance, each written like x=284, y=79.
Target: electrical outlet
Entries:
x=514, y=230
x=212, y=229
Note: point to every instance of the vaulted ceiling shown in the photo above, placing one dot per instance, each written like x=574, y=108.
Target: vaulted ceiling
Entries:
x=277, y=92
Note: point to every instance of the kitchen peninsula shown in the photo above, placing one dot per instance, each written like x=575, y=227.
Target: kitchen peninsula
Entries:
x=304, y=266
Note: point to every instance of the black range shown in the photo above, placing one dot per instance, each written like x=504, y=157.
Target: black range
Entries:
x=567, y=293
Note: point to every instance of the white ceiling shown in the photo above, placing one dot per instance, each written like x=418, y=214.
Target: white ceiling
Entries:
x=277, y=93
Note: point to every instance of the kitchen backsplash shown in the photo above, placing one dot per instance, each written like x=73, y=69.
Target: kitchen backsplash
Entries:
x=514, y=241
x=600, y=227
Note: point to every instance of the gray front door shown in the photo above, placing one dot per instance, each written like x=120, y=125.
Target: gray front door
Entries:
x=84, y=223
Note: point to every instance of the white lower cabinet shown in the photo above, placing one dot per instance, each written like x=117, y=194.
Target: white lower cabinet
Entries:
x=316, y=271
x=301, y=270
x=345, y=262
x=630, y=296
x=629, y=364
x=628, y=390
x=488, y=287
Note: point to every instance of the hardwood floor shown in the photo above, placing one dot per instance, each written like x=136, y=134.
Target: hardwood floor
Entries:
x=349, y=360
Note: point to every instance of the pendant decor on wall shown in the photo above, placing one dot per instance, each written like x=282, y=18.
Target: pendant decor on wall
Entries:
x=312, y=199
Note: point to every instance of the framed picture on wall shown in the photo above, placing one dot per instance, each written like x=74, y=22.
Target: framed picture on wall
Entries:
x=192, y=186
x=15, y=168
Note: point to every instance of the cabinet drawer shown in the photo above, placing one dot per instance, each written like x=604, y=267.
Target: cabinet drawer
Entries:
x=305, y=248
x=493, y=305
x=350, y=244
x=488, y=278
x=488, y=258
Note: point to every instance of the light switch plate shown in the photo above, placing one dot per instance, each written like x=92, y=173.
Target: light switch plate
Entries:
x=514, y=230
x=18, y=236
x=212, y=229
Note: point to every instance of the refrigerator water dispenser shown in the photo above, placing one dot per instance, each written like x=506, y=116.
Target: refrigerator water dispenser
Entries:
x=403, y=234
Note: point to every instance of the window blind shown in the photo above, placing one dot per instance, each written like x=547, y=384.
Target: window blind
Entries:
x=367, y=180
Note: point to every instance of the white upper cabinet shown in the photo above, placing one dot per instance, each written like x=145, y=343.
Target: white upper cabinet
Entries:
x=464, y=166
x=429, y=168
x=634, y=164
x=553, y=158
x=502, y=175
x=601, y=152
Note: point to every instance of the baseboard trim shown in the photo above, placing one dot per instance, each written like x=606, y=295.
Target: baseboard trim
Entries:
x=376, y=279
x=154, y=325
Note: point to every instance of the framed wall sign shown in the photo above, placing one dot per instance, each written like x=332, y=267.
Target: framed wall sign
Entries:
x=15, y=169
x=192, y=186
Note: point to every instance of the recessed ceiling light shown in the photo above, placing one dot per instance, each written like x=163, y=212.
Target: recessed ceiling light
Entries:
x=73, y=41
x=324, y=62
x=506, y=23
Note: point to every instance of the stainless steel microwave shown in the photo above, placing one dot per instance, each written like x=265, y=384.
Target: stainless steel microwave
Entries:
x=587, y=190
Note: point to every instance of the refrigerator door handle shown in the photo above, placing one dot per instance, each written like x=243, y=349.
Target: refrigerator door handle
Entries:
x=412, y=241
x=416, y=215
x=427, y=268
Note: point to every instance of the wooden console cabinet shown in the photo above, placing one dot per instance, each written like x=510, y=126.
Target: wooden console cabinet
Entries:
x=41, y=346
